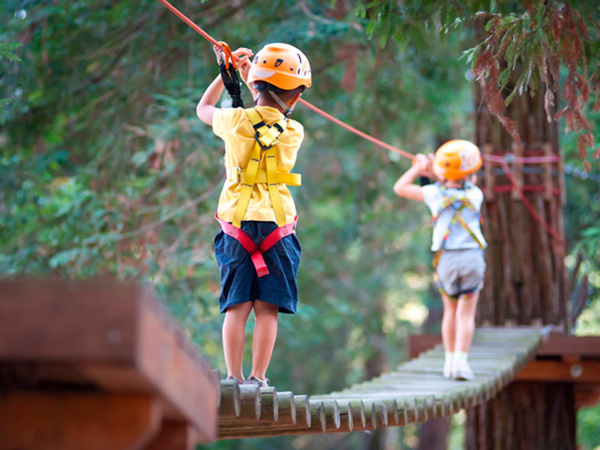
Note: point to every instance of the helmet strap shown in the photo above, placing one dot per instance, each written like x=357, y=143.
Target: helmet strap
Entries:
x=287, y=110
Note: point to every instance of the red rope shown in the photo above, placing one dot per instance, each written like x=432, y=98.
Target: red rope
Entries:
x=529, y=206
x=356, y=131
x=503, y=189
x=195, y=27
x=523, y=160
x=218, y=44
x=491, y=158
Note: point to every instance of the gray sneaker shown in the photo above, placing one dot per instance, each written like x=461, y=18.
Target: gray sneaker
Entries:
x=261, y=383
x=232, y=378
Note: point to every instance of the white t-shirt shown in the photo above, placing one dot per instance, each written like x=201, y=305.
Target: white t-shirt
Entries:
x=459, y=238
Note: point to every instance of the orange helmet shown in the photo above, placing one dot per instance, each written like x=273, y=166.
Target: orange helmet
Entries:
x=456, y=158
x=281, y=65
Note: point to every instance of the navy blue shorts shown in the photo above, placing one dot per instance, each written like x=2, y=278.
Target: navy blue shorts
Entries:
x=239, y=281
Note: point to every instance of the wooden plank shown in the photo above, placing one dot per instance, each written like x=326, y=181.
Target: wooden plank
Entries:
x=563, y=344
x=110, y=335
x=67, y=322
x=171, y=363
x=587, y=395
x=561, y=371
x=174, y=436
x=420, y=343
x=557, y=344
x=61, y=421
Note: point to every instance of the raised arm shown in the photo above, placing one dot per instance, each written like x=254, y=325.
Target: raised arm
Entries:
x=405, y=186
x=207, y=106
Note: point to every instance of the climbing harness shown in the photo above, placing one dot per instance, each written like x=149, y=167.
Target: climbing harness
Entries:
x=265, y=140
x=448, y=202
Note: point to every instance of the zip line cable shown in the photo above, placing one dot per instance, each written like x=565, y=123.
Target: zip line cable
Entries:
x=221, y=46
x=356, y=131
x=503, y=161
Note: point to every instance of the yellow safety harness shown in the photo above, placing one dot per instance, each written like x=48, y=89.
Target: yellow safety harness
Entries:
x=265, y=139
x=456, y=218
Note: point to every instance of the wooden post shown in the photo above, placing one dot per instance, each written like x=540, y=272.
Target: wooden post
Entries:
x=61, y=421
x=488, y=169
x=517, y=150
x=67, y=340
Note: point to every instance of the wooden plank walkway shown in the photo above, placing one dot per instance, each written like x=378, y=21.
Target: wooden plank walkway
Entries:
x=415, y=392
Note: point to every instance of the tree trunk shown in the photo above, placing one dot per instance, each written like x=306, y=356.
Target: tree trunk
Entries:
x=525, y=279
x=525, y=416
x=433, y=434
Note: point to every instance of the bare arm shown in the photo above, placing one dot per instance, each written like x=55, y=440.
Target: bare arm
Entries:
x=207, y=106
x=405, y=186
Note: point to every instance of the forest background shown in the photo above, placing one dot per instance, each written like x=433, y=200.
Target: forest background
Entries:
x=106, y=171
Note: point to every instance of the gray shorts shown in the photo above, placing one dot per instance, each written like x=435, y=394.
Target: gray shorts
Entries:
x=460, y=271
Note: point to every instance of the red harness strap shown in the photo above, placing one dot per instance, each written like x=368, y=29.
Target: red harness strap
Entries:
x=255, y=251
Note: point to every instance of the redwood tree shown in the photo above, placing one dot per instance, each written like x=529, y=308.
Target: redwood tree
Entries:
x=517, y=61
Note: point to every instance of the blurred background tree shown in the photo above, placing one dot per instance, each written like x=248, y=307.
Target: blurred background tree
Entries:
x=105, y=170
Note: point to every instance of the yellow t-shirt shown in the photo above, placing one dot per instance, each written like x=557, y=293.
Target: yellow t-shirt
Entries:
x=233, y=126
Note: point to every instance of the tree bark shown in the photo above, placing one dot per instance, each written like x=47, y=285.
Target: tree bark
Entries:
x=525, y=416
x=526, y=279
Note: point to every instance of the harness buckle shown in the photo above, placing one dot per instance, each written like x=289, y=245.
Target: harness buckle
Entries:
x=234, y=175
x=262, y=146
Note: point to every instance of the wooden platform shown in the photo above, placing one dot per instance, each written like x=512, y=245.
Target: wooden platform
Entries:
x=560, y=359
x=415, y=392
x=98, y=365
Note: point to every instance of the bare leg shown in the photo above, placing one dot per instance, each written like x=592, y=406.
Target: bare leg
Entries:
x=265, y=334
x=465, y=321
x=234, y=327
x=449, y=323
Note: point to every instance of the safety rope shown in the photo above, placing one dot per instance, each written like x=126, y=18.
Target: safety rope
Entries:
x=490, y=158
x=223, y=47
x=356, y=131
x=528, y=205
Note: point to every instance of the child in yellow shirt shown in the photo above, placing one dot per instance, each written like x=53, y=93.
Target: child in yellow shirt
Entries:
x=257, y=250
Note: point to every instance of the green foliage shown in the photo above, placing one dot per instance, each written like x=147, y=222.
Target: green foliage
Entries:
x=106, y=171
x=587, y=428
x=6, y=51
x=535, y=39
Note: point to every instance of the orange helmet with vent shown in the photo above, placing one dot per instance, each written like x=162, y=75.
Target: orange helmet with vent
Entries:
x=281, y=65
x=456, y=159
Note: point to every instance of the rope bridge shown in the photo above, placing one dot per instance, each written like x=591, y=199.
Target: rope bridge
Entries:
x=99, y=364
x=415, y=392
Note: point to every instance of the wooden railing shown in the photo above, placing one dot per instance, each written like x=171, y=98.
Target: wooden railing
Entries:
x=98, y=365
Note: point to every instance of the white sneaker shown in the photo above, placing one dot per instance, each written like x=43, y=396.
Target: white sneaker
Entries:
x=462, y=371
x=447, y=372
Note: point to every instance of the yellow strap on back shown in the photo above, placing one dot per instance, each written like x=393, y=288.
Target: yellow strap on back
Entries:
x=265, y=139
x=274, y=187
x=290, y=179
x=242, y=204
